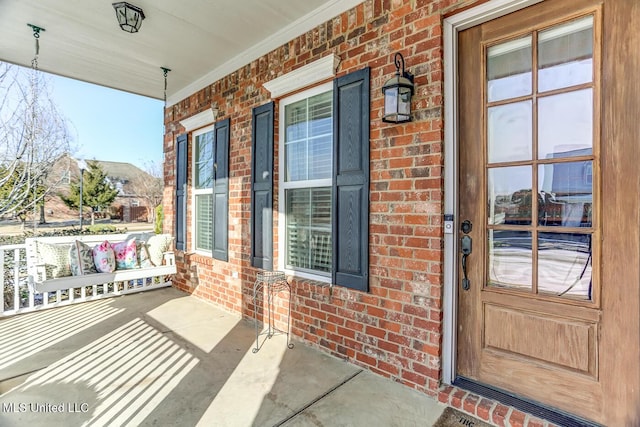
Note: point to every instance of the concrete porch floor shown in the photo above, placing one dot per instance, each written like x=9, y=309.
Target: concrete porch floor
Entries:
x=165, y=358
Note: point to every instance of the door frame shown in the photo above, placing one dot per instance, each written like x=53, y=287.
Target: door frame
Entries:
x=451, y=26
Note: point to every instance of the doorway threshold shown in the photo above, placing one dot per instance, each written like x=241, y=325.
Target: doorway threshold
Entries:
x=553, y=415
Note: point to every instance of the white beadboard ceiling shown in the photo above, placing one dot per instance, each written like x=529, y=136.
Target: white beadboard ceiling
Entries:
x=199, y=40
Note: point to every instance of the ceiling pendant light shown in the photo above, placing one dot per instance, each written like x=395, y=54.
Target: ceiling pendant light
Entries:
x=129, y=16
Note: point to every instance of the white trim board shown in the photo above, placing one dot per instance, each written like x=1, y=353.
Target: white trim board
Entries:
x=451, y=26
x=199, y=120
x=305, y=76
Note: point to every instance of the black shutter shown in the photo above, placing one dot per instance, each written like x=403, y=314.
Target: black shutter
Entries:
x=220, y=220
x=181, y=190
x=351, y=180
x=262, y=187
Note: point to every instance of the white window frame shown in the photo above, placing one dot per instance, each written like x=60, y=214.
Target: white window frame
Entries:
x=198, y=192
x=282, y=185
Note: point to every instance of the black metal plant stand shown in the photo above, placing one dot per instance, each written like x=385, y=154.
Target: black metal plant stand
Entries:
x=274, y=282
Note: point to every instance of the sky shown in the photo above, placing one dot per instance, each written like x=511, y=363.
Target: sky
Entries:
x=108, y=124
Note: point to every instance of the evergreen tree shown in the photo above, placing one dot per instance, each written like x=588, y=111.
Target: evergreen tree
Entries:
x=18, y=182
x=97, y=193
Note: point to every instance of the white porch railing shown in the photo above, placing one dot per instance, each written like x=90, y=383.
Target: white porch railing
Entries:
x=16, y=296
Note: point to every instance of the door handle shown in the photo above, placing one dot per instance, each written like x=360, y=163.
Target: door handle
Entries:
x=466, y=249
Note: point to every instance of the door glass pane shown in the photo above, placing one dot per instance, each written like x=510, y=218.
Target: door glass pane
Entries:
x=509, y=132
x=510, y=195
x=565, y=125
x=566, y=194
x=510, y=259
x=564, y=265
x=565, y=55
x=509, y=69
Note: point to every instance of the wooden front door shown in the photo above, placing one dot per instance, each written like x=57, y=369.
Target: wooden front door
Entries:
x=548, y=208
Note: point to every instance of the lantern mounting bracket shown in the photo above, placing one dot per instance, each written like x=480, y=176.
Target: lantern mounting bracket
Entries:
x=398, y=60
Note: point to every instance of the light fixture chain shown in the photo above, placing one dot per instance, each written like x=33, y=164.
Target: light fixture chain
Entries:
x=36, y=36
x=165, y=71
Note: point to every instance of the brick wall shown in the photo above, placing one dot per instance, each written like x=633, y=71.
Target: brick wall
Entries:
x=395, y=329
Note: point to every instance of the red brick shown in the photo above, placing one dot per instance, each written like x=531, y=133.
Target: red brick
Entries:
x=517, y=418
x=470, y=403
x=457, y=398
x=499, y=415
x=389, y=368
x=426, y=371
x=483, y=411
x=388, y=346
x=366, y=359
x=533, y=422
x=445, y=393
x=414, y=378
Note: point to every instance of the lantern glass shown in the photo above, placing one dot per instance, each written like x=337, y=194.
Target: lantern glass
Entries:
x=129, y=17
x=404, y=102
x=390, y=101
x=397, y=100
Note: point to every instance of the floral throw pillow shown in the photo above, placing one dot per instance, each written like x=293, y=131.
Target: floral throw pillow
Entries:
x=125, y=253
x=158, y=245
x=81, y=259
x=55, y=259
x=104, y=258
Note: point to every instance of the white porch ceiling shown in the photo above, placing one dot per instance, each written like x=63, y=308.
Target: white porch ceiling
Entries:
x=199, y=40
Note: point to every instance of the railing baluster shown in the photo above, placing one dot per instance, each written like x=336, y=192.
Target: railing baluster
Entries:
x=32, y=299
x=16, y=278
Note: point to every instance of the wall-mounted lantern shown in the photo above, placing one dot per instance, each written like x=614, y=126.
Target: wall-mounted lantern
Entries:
x=398, y=91
x=129, y=16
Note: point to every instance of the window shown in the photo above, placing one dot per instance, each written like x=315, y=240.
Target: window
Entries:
x=210, y=165
x=203, y=148
x=307, y=142
x=324, y=182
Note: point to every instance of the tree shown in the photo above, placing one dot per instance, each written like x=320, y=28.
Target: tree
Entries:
x=149, y=186
x=33, y=135
x=97, y=193
x=22, y=206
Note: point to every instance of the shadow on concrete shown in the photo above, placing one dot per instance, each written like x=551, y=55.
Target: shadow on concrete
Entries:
x=166, y=358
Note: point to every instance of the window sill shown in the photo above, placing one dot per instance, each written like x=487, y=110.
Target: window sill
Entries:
x=199, y=257
x=302, y=276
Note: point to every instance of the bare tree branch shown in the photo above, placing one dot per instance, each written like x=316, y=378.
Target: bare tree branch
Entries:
x=33, y=135
x=149, y=186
